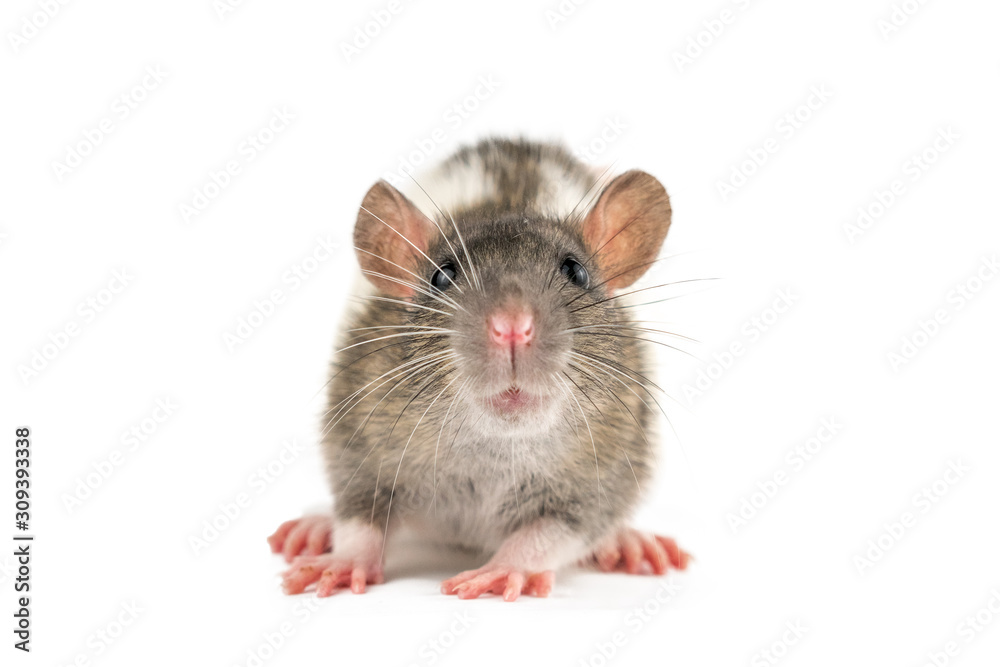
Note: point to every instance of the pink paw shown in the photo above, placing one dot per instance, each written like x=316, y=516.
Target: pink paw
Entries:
x=310, y=535
x=330, y=573
x=499, y=580
x=636, y=552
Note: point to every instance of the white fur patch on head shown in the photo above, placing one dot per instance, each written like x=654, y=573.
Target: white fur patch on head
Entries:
x=453, y=186
x=561, y=193
x=461, y=185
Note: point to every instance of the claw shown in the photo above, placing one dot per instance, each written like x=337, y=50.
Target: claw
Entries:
x=330, y=574
x=310, y=535
x=635, y=552
x=506, y=581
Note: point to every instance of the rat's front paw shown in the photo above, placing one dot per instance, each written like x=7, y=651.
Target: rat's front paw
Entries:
x=499, y=580
x=329, y=573
x=630, y=550
x=310, y=535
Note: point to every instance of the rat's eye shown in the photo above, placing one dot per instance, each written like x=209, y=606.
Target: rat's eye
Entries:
x=574, y=270
x=444, y=276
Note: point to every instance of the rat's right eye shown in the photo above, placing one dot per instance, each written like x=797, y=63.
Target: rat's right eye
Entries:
x=444, y=276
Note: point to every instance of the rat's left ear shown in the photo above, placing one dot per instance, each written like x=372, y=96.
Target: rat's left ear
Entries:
x=627, y=226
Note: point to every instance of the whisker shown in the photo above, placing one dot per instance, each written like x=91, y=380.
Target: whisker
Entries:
x=648, y=340
x=360, y=465
x=401, y=268
x=625, y=326
x=622, y=273
x=401, y=382
x=613, y=377
x=653, y=303
x=345, y=367
x=401, y=326
x=407, y=304
x=437, y=297
x=373, y=340
x=416, y=330
x=443, y=216
x=594, y=361
x=642, y=289
x=408, y=365
x=569, y=216
x=603, y=361
x=402, y=236
x=432, y=376
x=410, y=376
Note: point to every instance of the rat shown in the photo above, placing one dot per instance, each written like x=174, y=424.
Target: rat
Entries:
x=490, y=390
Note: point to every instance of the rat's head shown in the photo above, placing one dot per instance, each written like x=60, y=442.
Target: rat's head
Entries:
x=515, y=303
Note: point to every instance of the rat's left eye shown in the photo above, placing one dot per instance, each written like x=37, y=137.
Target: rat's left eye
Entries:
x=574, y=270
x=444, y=276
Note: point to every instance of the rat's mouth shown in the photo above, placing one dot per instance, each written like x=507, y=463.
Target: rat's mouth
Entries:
x=513, y=400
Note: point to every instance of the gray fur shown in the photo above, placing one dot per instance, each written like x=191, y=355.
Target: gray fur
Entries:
x=463, y=473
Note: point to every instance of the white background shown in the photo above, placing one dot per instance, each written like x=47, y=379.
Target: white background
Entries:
x=855, y=297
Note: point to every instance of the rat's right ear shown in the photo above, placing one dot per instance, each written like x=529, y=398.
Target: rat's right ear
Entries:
x=391, y=238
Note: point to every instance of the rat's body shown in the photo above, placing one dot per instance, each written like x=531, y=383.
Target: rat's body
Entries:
x=489, y=389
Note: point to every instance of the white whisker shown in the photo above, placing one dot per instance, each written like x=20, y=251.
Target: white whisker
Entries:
x=402, y=268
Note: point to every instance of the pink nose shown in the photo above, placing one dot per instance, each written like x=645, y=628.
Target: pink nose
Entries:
x=511, y=328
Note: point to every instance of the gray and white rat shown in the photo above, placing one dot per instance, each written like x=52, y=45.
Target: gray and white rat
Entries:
x=491, y=390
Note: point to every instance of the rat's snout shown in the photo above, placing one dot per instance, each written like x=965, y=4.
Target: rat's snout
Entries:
x=511, y=327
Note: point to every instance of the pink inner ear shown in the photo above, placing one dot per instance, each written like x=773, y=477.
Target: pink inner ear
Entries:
x=626, y=227
x=392, y=237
